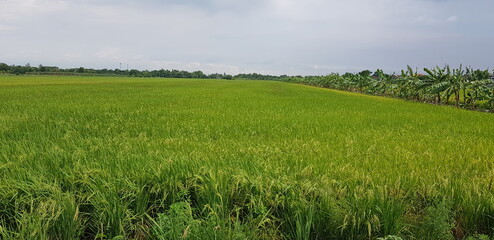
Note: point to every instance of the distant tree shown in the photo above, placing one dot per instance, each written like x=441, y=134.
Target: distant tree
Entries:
x=80, y=70
x=134, y=73
x=4, y=67
x=28, y=68
x=198, y=74
x=346, y=75
x=42, y=68
x=365, y=73
x=215, y=76
x=18, y=70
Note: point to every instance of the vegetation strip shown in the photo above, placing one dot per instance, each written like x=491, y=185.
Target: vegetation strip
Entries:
x=465, y=88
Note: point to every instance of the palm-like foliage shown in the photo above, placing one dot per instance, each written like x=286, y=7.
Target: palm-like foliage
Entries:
x=383, y=84
x=476, y=83
x=439, y=84
x=437, y=81
x=454, y=84
x=409, y=84
x=488, y=94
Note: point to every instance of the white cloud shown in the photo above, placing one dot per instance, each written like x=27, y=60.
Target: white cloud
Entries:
x=452, y=19
x=110, y=53
x=425, y=19
x=6, y=28
x=15, y=9
x=73, y=56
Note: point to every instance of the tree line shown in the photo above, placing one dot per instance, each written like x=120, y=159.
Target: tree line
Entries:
x=463, y=87
x=53, y=70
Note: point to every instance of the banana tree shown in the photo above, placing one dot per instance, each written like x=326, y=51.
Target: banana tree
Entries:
x=383, y=84
x=436, y=81
x=490, y=99
x=454, y=84
x=476, y=83
x=362, y=82
x=408, y=84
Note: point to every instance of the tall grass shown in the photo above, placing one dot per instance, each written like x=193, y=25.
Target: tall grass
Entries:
x=123, y=158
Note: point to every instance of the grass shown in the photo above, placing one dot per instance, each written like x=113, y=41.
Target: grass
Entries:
x=130, y=158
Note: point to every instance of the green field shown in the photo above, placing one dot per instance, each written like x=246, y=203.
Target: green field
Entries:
x=132, y=158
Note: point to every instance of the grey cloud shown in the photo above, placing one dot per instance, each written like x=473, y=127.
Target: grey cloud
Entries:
x=275, y=36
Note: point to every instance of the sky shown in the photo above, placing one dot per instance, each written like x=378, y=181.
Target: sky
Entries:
x=294, y=37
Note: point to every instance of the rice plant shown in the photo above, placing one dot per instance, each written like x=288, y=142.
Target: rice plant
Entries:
x=133, y=158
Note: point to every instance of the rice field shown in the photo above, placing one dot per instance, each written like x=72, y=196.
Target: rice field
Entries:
x=133, y=158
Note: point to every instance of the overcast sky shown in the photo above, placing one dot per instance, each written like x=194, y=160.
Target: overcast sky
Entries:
x=232, y=36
